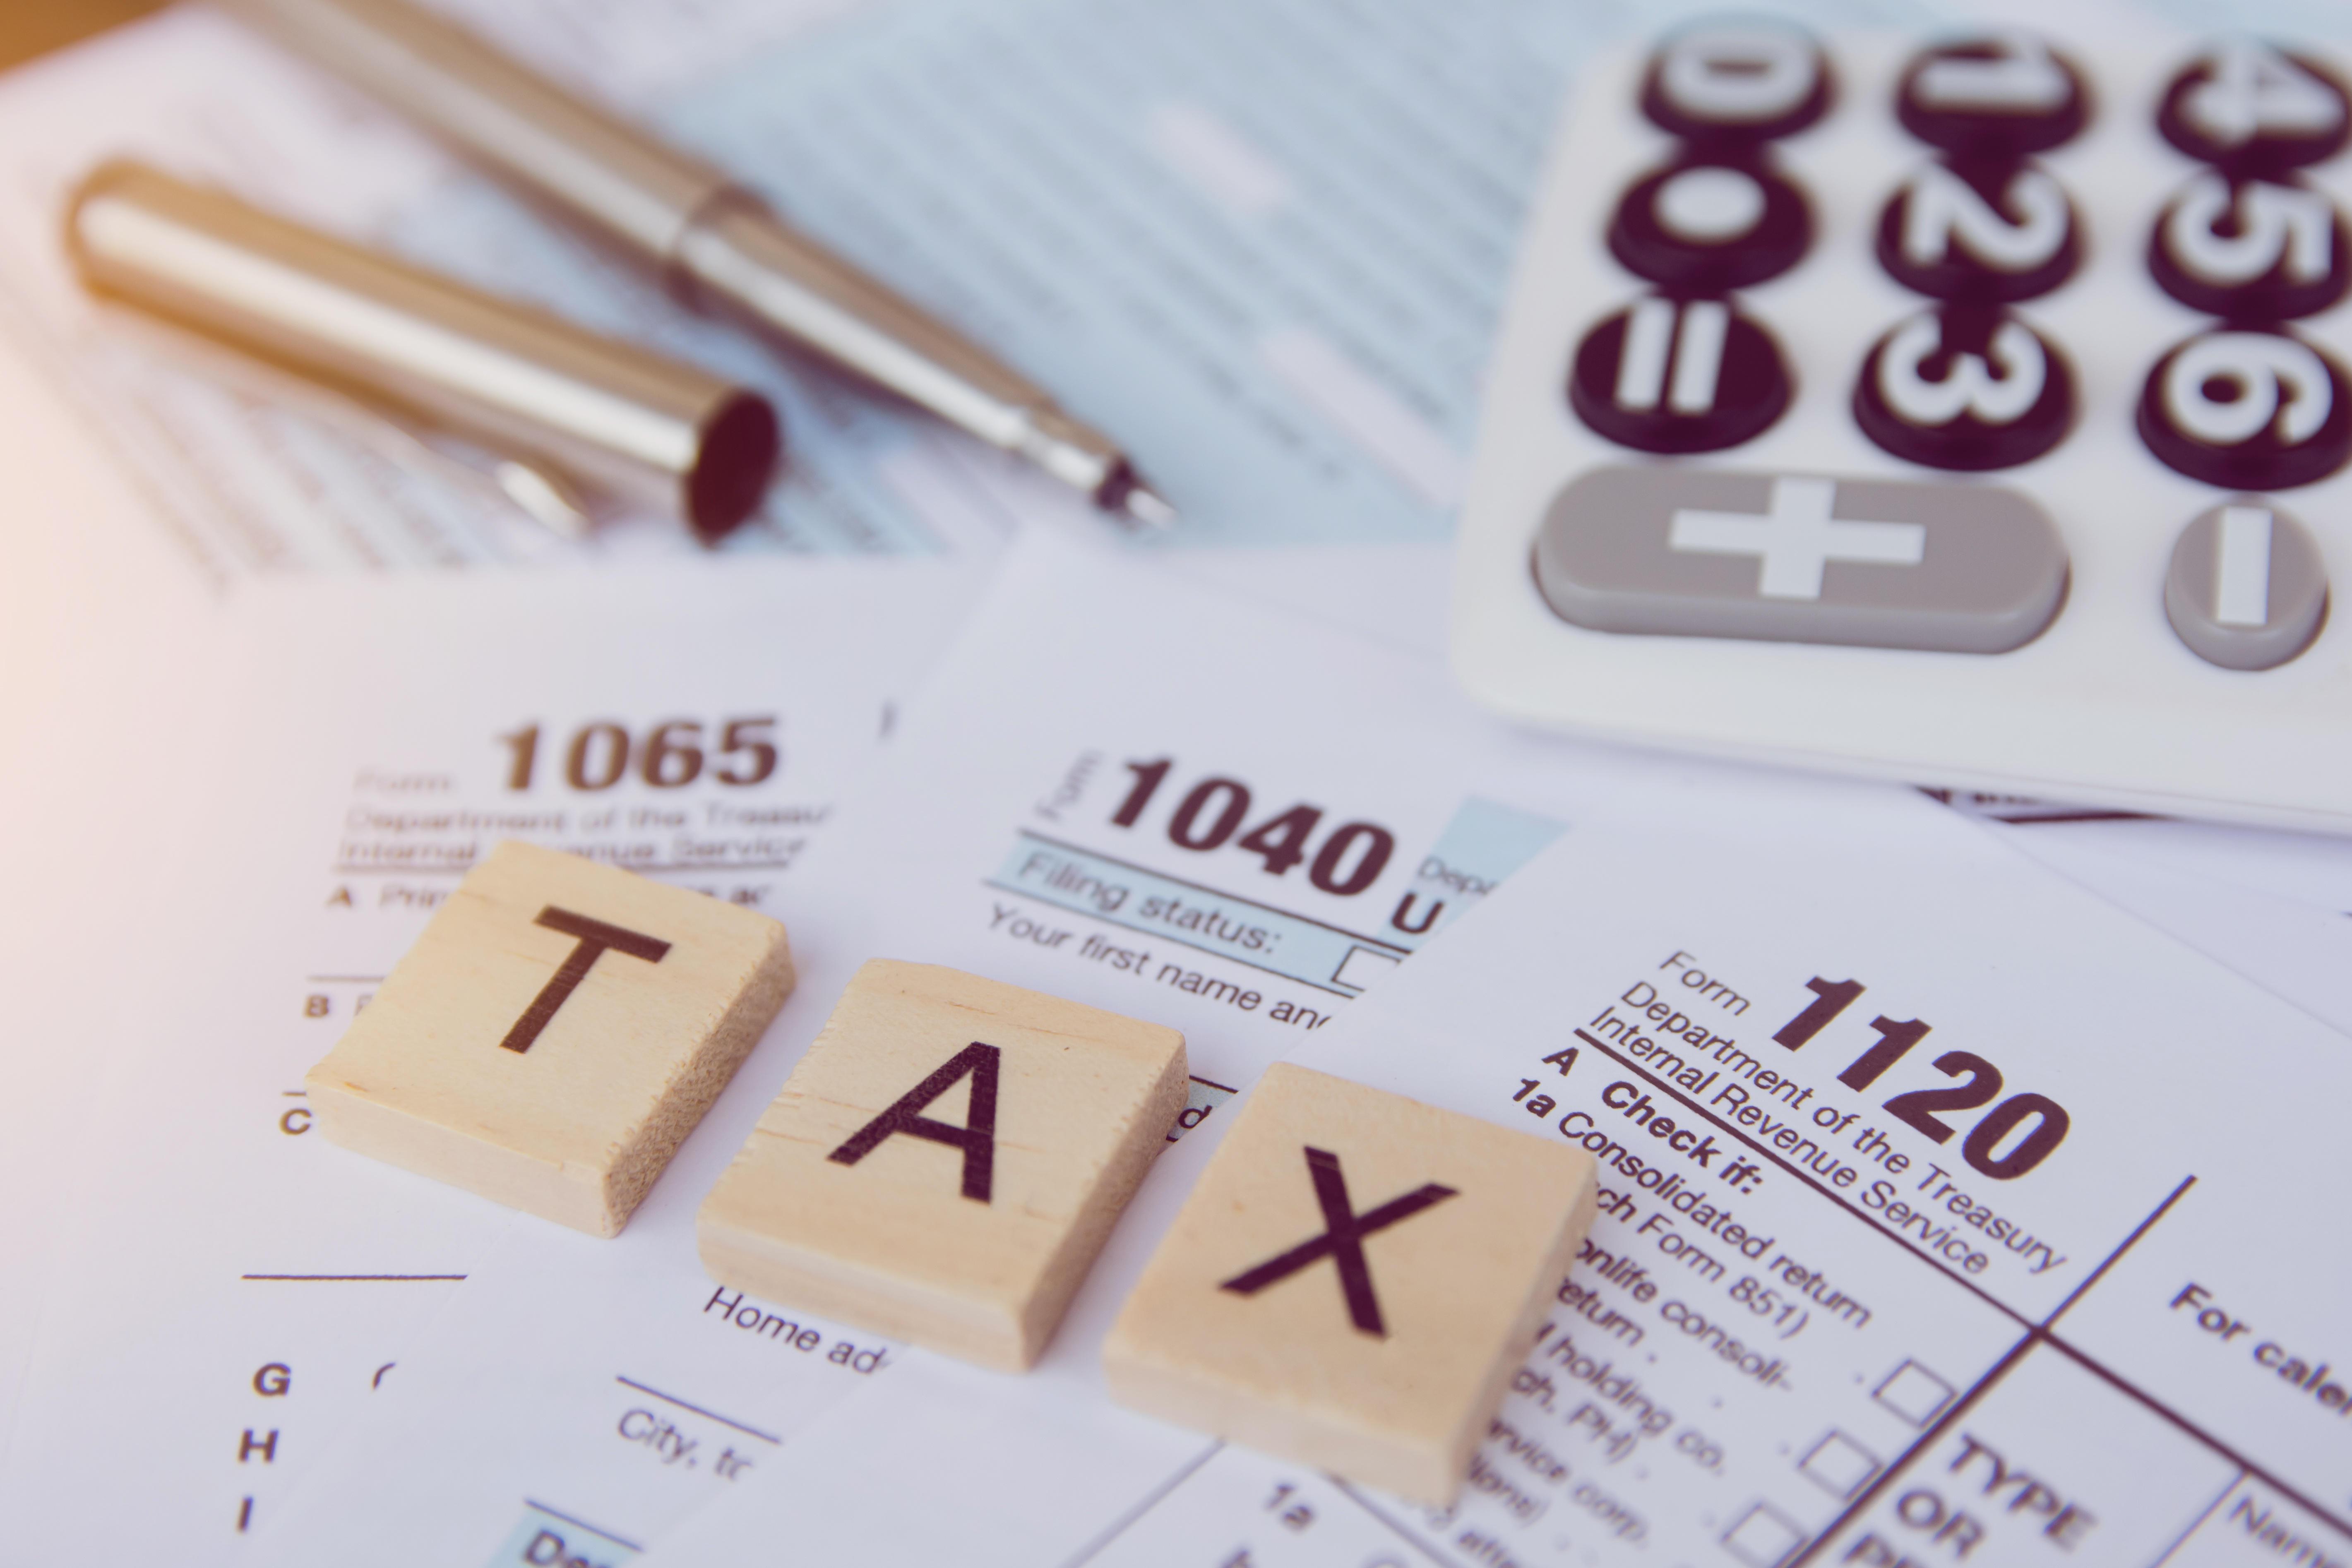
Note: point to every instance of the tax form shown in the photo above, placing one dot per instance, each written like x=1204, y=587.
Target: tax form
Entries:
x=1139, y=795
x=1946, y=1216
x=233, y=1290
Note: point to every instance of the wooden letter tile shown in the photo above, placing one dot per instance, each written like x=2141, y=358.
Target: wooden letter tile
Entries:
x=945, y=1162
x=1354, y=1282
x=555, y=1032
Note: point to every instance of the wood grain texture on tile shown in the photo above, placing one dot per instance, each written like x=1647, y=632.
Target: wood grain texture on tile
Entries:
x=556, y=1031
x=944, y=1163
x=1353, y=1281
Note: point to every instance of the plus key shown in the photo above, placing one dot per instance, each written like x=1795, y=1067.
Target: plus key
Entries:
x=1796, y=537
x=1801, y=558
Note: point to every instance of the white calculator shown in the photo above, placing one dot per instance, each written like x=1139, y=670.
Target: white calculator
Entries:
x=1970, y=410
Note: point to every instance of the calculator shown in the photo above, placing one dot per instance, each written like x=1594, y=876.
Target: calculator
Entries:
x=1971, y=410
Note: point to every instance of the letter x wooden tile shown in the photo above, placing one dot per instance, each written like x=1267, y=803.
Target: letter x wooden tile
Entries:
x=557, y=1030
x=1353, y=1281
x=945, y=1161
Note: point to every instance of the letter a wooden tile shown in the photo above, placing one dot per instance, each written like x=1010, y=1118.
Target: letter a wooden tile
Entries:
x=945, y=1161
x=1353, y=1281
x=555, y=1032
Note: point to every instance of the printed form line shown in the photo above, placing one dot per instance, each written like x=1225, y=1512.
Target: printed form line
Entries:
x=1178, y=940
x=1904, y=1242
x=459, y=871
x=582, y=1524
x=1128, y=1521
x=1380, y=946
x=1400, y=950
x=698, y=1410
x=2035, y=1334
x=348, y=1278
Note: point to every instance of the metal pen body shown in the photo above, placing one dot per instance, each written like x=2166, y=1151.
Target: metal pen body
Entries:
x=716, y=245
x=509, y=374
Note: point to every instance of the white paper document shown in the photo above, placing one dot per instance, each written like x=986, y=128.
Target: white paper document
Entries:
x=1121, y=790
x=234, y=1288
x=1946, y=1216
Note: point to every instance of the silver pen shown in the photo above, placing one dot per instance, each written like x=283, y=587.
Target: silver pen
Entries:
x=716, y=244
x=504, y=373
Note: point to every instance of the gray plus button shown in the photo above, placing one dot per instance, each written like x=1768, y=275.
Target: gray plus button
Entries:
x=1952, y=567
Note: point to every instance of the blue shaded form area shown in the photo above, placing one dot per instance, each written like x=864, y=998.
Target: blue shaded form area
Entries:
x=1482, y=844
x=1327, y=957
x=1484, y=841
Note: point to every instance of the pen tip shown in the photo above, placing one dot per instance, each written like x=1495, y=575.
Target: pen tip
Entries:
x=1147, y=506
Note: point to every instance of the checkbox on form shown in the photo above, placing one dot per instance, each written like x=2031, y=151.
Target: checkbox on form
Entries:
x=1914, y=1392
x=1837, y=1465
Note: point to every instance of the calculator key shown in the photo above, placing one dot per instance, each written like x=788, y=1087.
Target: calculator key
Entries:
x=1737, y=79
x=2249, y=249
x=1972, y=230
x=1678, y=375
x=1705, y=224
x=1799, y=558
x=2245, y=105
x=1997, y=95
x=1966, y=388
x=2247, y=589
x=2249, y=409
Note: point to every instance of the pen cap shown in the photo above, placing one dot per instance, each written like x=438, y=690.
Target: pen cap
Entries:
x=509, y=374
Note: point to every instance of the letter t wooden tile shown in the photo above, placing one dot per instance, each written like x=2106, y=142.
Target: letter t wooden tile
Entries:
x=945, y=1161
x=557, y=1030
x=1353, y=1281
